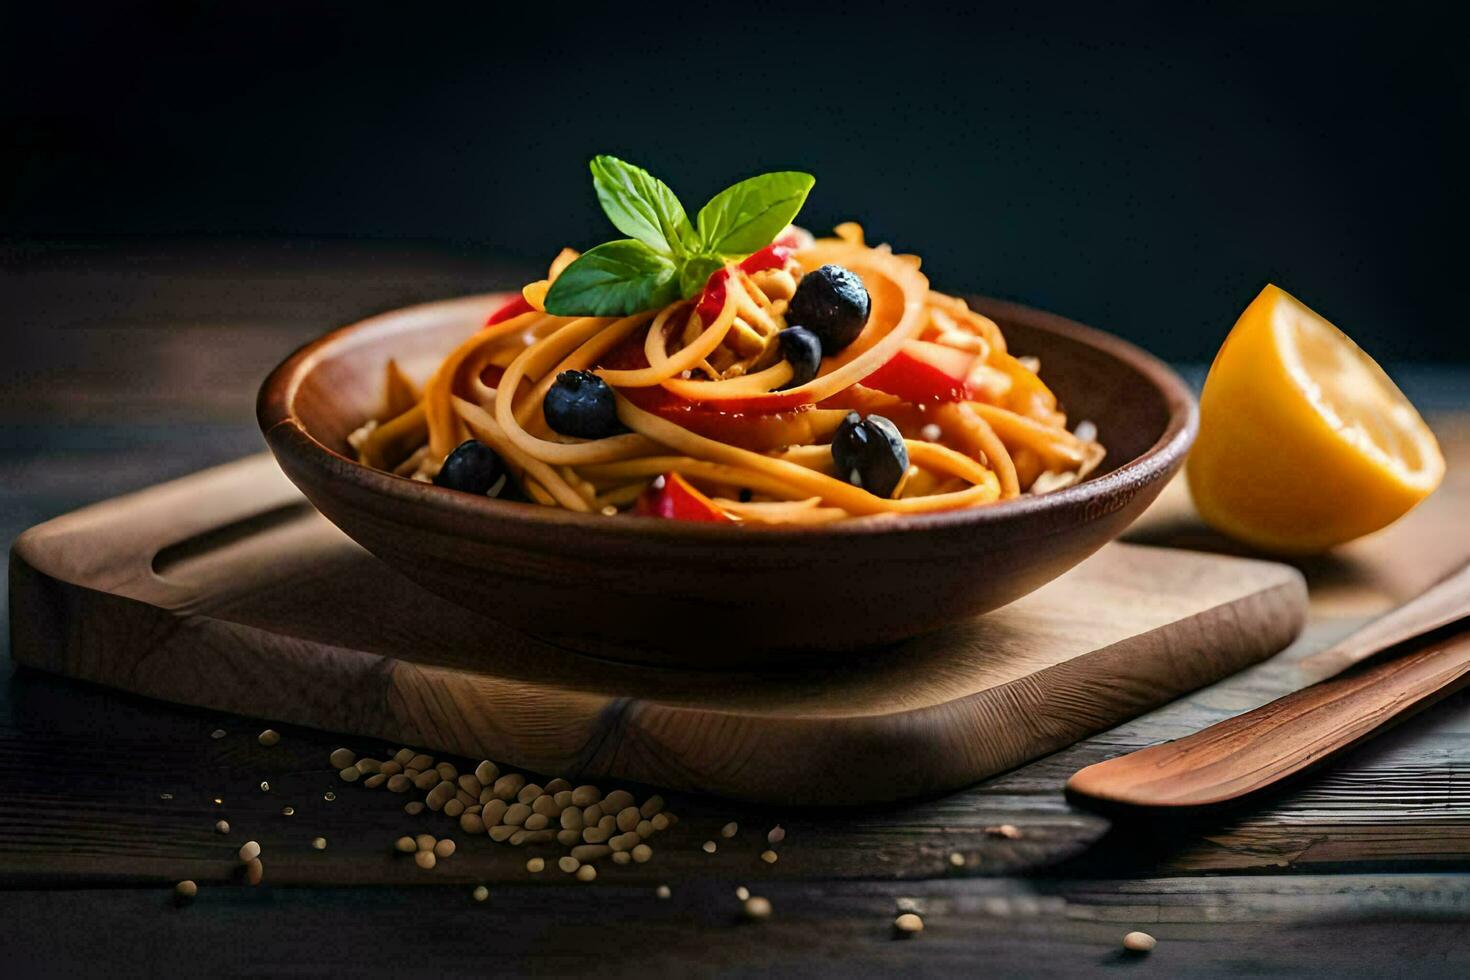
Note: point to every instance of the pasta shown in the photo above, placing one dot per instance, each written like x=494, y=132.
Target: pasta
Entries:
x=711, y=403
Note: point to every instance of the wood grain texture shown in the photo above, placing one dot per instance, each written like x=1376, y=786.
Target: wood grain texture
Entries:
x=712, y=595
x=1339, y=926
x=224, y=590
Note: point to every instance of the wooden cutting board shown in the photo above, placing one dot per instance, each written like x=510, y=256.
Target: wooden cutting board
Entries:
x=227, y=591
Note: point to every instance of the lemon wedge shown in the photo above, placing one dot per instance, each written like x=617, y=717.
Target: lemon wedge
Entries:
x=1304, y=441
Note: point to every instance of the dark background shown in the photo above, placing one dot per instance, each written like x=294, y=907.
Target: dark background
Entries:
x=1145, y=169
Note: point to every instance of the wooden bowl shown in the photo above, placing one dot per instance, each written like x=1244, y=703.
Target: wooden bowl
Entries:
x=664, y=591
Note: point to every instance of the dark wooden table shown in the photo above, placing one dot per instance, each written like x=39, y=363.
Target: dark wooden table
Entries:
x=124, y=365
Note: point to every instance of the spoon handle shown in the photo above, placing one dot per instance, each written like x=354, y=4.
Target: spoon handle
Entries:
x=1258, y=749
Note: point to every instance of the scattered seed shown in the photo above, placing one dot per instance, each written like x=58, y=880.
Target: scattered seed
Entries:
x=557, y=785
x=515, y=815
x=1008, y=831
x=642, y=853
x=591, y=852
x=186, y=889
x=623, y=842
x=222, y=826
x=413, y=807
x=571, y=819
x=538, y=836
x=501, y=832
x=563, y=798
x=757, y=908
x=729, y=830
x=507, y=786
x=165, y=796
x=407, y=845
x=453, y=808
x=366, y=767
x=628, y=818
x=420, y=762
x=586, y=795
x=617, y=800
x=375, y=780
x=425, y=859
x=769, y=857
x=776, y=834
x=536, y=865
x=908, y=924
x=329, y=796
x=1139, y=942
x=425, y=842
x=546, y=805
x=319, y=843
x=470, y=785
x=662, y=891
x=709, y=847
x=621, y=857
x=439, y=795
x=347, y=775
x=570, y=838
x=398, y=783
x=487, y=772
x=254, y=871
x=249, y=851
x=288, y=811
x=742, y=893
x=218, y=801
x=425, y=780
x=403, y=756
x=586, y=873
x=528, y=793
x=480, y=893
x=390, y=768
x=599, y=815
x=568, y=864
x=444, y=849
x=471, y=823
x=493, y=811
x=268, y=737
x=660, y=821
x=956, y=859
x=217, y=733
x=651, y=806
x=447, y=772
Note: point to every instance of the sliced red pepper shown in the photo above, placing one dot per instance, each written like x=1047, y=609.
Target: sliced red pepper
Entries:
x=673, y=497
x=773, y=256
x=924, y=372
x=512, y=307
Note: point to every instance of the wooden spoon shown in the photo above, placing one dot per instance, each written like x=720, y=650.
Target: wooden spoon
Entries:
x=1426, y=643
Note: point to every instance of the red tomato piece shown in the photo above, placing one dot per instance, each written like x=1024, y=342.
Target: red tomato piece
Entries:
x=512, y=307
x=673, y=497
x=924, y=372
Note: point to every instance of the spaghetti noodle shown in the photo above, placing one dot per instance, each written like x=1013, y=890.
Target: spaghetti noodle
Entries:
x=711, y=404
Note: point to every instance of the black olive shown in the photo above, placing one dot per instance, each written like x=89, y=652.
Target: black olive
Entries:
x=803, y=351
x=473, y=467
x=869, y=453
x=832, y=303
x=581, y=405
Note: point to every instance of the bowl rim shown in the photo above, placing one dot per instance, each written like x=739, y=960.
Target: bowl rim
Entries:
x=275, y=413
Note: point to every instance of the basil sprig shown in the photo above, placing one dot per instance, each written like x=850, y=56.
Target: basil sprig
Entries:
x=665, y=257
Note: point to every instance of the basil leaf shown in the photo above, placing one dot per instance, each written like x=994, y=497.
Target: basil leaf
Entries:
x=746, y=217
x=641, y=206
x=696, y=272
x=614, y=279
